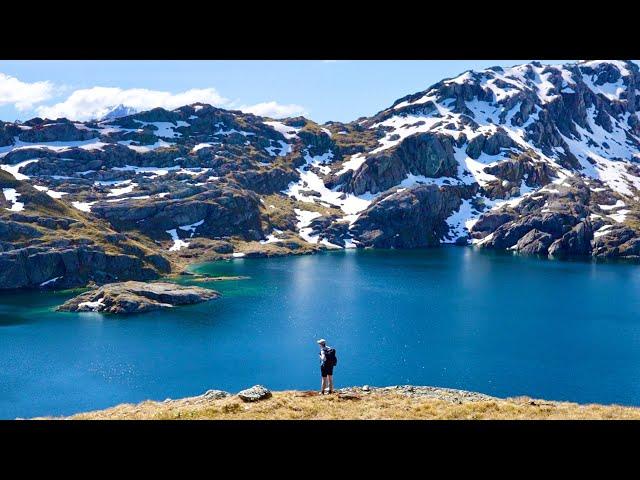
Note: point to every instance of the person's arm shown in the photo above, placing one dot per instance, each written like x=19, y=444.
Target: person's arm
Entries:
x=322, y=357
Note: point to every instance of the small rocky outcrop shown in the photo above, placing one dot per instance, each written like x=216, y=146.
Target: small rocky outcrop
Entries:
x=576, y=241
x=137, y=297
x=57, y=132
x=534, y=243
x=254, y=394
x=508, y=234
x=489, y=222
x=489, y=144
x=616, y=241
x=215, y=394
x=451, y=395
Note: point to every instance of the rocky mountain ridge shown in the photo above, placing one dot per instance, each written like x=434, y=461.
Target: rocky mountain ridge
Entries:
x=536, y=159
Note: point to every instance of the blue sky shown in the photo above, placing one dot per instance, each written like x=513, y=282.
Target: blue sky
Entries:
x=322, y=90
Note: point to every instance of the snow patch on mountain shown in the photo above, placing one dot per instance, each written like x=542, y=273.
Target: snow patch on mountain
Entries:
x=83, y=206
x=192, y=227
x=11, y=196
x=146, y=148
x=116, y=192
x=177, y=242
x=15, y=169
x=287, y=131
x=311, y=188
x=353, y=163
x=51, y=193
x=304, y=219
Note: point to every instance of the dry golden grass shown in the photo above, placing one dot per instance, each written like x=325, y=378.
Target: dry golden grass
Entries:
x=296, y=405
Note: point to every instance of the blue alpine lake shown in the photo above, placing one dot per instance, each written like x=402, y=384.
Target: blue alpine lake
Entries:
x=455, y=317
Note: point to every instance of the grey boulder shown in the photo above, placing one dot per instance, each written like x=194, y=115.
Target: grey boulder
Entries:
x=534, y=243
x=254, y=394
x=216, y=394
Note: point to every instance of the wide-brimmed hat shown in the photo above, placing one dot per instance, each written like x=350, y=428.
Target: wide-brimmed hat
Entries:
x=322, y=340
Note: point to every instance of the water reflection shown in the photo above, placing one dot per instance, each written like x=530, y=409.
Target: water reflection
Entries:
x=457, y=317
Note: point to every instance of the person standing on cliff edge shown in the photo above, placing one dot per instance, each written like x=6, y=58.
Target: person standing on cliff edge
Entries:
x=328, y=360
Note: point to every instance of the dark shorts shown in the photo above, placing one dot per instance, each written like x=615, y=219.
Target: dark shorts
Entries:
x=326, y=370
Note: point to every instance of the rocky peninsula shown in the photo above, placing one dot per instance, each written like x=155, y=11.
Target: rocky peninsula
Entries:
x=137, y=297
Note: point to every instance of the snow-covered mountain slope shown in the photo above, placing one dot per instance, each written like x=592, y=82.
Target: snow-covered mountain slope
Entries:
x=533, y=158
x=498, y=139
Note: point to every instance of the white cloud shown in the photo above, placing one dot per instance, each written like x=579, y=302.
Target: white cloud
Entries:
x=90, y=103
x=275, y=109
x=23, y=95
x=95, y=102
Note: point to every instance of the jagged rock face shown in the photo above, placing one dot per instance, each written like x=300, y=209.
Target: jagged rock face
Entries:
x=617, y=241
x=508, y=234
x=225, y=212
x=12, y=231
x=72, y=267
x=56, y=132
x=7, y=133
x=264, y=182
x=516, y=171
x=317, y=143
x=427, y=154
x=408, y=219
x=534, y=243
x=490, y=222
x=576, y=241
x=331, y=229
x=558, y=223
x=491, y=144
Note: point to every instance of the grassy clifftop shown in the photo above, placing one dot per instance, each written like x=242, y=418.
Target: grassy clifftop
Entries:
x=399, y=403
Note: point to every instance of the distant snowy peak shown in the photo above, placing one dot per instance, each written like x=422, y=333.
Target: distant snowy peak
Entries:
x=118, y=111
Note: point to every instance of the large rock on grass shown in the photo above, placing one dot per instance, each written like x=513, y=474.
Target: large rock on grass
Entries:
x=255, y=393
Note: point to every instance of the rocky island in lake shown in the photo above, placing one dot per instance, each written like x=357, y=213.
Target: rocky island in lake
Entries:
x=137, y=297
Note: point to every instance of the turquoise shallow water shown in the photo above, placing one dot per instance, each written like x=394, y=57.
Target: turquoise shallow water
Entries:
x=454, y=317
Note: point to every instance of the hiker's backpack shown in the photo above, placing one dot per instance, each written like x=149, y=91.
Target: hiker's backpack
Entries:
x=330, y=357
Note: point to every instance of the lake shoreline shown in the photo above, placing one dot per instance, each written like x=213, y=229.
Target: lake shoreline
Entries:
x=401, y=402
x=482, y=321
x=191, y=267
